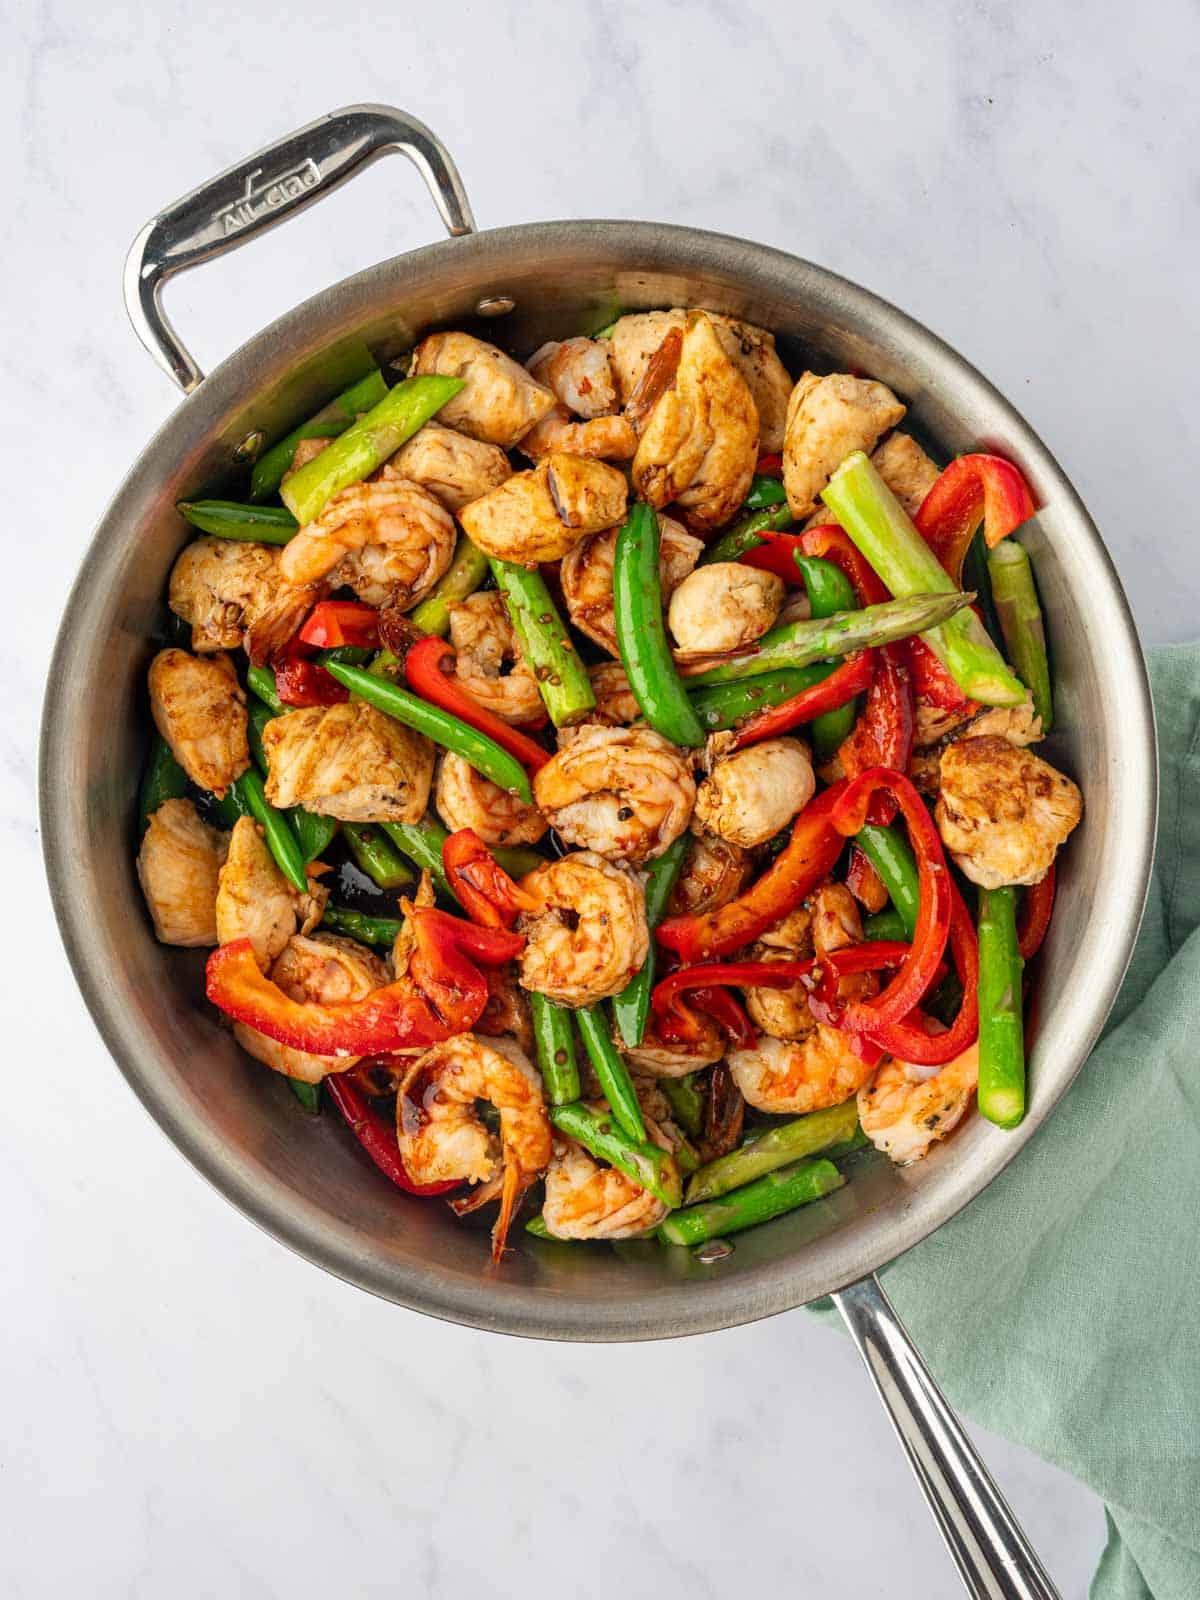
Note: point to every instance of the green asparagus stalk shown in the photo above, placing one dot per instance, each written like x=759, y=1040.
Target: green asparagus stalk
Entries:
x=1001, y=1029
x=374, y=854
x=638, y=1159
x=806, y=1136
x=611, y=1070
x=890, y=853
x=367, y=443
x=163, y=779
x=1021, y=622
x=798, y=644
x=461, y=578
x=357, y=925
x=554, y=1036
x=747, y=534
x=767, y=1197
x=686, y=1100
x=249, y=524
x=546, y=643
x=632, y=1006
x=331, y=421
x=883, y=531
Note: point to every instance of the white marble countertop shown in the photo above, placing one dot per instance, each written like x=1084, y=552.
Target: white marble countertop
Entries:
x=190, y=1410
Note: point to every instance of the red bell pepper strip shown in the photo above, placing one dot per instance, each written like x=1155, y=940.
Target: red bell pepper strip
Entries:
x=831, y=542
x=864, y=883
x=808, y=856
x=728, y=1013
x=972, y=489
x=931, y=683
x=1036, y=908
x=334, y=623
x=424, y=670
x=486, y=892
x=883, y=734
x=770, y=466
x=842, y=684
x=377, y=1137
x=304, y=683
x=775, y=555
x=909, y=1039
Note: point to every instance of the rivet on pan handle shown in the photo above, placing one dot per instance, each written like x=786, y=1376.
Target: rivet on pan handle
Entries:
x=264, y=190
x=993, y=1556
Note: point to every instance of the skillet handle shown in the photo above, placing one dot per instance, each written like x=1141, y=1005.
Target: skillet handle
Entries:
x=264, y=190
x=993, y=1556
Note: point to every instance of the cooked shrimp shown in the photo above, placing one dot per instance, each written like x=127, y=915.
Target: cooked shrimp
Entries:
x=232, y=594
x=750, y=795
x=714, y=872
x=827, y=419
x=1002, y=812
x=440, y=1133
x=500, y=401
x=723, y=605
x=603, y=438
x=797, y=1076
x=466, y=799
x=626, y=793
x=832, y=923
x=585, y=1200
x=700, y=442
x=578, y=372
x=256, y=902
x=451, y=465
x=662, y=1060
x=388, y=538
x=904, y=1110
x=327, y=969
x=506, y=1014
x=539, y=515
x=588, y=936
x=490, y=665
x=348, y=761
x=615, y=705
x=199, y=707
x=587, y=576
x=177, y=867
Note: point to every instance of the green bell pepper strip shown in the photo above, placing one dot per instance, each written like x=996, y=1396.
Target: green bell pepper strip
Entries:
x=162, y=779
x=806, y=1136
x=461, y=578
x=545, y=642
x=374, y=854
x=283, y=843
x=829, y=591
x=632, y=1006
x=887, y=924
x=724, y=705
x=884, y=533
x=640, y=1160
x=611, y=1070
x=641, y=632
x=1021, y=623
x=686, y=1101
x=767, y=1197
x=331, y=421
x=367, y=443
x=1001, y=1029
x=357, y=925
x=249, y=524
x=764, y=493
x=484, y=754
x=308, y=1094
x=747, y=534
x=554, y=1037
x=890, y=853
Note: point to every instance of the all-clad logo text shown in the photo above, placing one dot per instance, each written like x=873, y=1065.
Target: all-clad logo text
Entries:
x=259, y=198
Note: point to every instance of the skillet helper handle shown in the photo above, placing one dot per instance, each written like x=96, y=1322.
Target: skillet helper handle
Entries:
x=993, y=1556
x=256, y=194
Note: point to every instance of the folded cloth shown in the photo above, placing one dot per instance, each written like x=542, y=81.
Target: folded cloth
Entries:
x=1062, y=1307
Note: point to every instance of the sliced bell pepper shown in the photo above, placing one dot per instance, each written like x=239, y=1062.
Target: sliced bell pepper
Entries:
x=909, y=1039
x=333, y=623
x=864, y=883
x=727, y=1012
x=775, y=554
x=377, y=1137
x=299, y=682
x=483, y=888
x=770, y=466
x=424, y=671
x=883, y=733
x=972, y=489
x=1036, y=909
x=831, y=542
x=843, y=683
x=931, y=683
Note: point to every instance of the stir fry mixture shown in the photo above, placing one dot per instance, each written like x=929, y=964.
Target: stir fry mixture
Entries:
x=610, y=781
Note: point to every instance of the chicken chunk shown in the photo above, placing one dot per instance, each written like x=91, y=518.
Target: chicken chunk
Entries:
x=255, y=901
x=348, y=761
x=700, y=442
x=723, y=605
x=500, y=401
x=539, y=515
x=232, y=594
x=177, y=867
x=908, y=472
x=200, y=709
x=750, y=795
x=827, y=419
x=1002, y=812
x=587, y=576
x=451, y=465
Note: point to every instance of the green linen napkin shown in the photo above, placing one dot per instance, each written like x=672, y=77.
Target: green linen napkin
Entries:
x=1061, y=1308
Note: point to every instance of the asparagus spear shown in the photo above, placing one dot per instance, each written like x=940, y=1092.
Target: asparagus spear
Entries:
x=461, y=578
x=1001, y=1032
x=367, y=443
x=883, y=531
x=357, y=925
x=611, y=1070
x=797, y=644
x=374, y=854
x=546, y=643
x=555, y=1040
x=782, y=1145
x=632, y=1006
x=328, y=423
x=767, y=1197
x=1021, y=622
x=640, y=1160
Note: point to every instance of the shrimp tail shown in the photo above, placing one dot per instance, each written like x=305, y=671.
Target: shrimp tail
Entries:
x=513, y=1188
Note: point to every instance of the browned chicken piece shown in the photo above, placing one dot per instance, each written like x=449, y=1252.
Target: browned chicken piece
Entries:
x=451, y=465
x=700, y=442
x=636, y=338
x=539, y=515
x=388, y=538
x=587, y=576
x=306, y=450
x=1002, y=812
x=326, y=969
x=934, y=727
x=177, y=867
x=199, y=707
x=908, y=472
x=232, y=594
x=348, y=761
x=500, y=401
x=714, y=872
x=580, y=376
x=256, y=902
x=723, y=605
x=751, y=794
x=827, y=419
